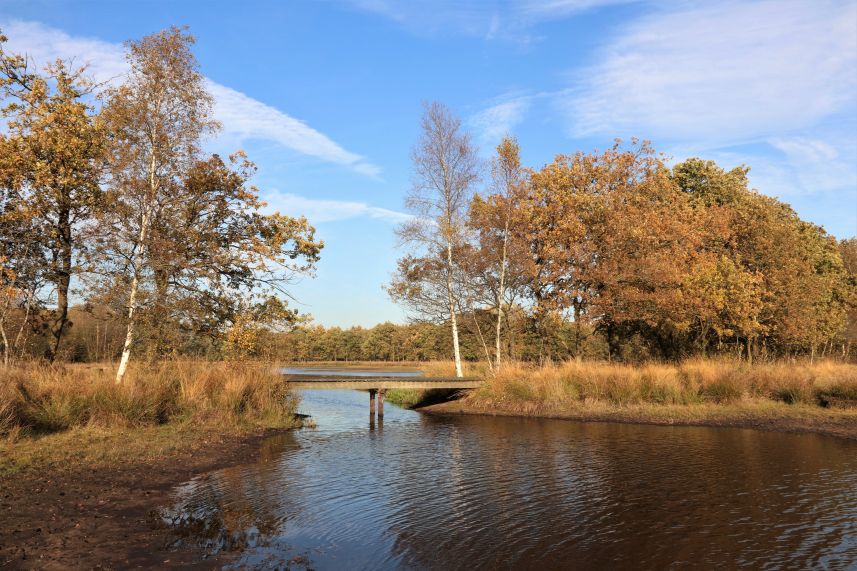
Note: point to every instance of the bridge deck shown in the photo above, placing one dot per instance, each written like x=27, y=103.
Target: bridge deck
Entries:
x=321, y=381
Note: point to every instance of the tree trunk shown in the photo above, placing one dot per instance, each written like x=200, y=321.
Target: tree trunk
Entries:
x=63, y=281
x=19, y=337
x=484, y=345
x=159, y=308
x=136, y=257
x=6, y=347
x=612, y=342
x=500, y=295
x=577, y=330
x=451, y=301
x=129, y=332
x=132, y=299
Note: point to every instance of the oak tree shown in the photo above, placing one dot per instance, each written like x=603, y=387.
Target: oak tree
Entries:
x=51, y=164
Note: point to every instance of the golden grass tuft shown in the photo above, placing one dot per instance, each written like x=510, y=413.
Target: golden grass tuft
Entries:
x=38, y=399
x=695, y=381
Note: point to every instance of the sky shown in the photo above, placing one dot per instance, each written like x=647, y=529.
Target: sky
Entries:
x=325, y=96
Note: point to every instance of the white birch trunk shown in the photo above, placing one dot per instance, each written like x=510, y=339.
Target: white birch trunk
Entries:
x=135, y=266
x=132, y=302
x=451, y=300
x=129, y=332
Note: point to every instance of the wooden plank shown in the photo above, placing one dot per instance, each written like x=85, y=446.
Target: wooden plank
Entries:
x=310, y=377
x=367, y=383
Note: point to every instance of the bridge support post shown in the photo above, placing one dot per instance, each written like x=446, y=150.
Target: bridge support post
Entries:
x=372, y=402
x=381, y=402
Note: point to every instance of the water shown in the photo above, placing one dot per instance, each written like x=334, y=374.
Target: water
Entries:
x=424, y=492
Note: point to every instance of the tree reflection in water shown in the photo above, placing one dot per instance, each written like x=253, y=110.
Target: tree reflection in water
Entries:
x=221, y=512
x=479, y=492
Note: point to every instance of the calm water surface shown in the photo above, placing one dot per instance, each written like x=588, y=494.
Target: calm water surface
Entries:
x=423, y=492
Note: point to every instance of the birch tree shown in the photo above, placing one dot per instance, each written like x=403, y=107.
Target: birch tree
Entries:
x=446, y=166
x=157, y=119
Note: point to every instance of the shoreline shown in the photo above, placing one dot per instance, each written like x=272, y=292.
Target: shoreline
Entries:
x=756, y=416
x=60, y=517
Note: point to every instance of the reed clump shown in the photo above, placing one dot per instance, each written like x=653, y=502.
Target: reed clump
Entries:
x=699, y=381
x=41, y=399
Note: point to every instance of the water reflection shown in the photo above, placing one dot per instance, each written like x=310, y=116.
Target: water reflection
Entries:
x=477, y=492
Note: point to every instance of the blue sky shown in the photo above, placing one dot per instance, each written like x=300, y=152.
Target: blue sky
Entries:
x=326, y=96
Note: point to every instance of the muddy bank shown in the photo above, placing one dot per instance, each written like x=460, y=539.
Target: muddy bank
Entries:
x=842, y=424
x=79, y=518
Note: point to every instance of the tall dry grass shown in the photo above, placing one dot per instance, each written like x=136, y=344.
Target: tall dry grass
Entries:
x=691, y=382
x=38, y=399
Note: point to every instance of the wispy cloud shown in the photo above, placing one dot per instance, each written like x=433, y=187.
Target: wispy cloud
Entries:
x=242, y=116
x=814, y=165
x=43, y=44
x=722, y=72
x=494, y=122
x=508, y=19
x=538, y=10
x=319, y=210
x=248, y=118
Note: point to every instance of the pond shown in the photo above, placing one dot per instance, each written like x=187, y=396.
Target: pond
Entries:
x=419, y=491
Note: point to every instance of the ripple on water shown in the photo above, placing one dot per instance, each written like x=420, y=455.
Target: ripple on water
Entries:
x=478, y=492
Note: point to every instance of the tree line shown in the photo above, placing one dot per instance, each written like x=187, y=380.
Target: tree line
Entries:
x=120, y=236
x=425, y=341
x=107, y=198
x=656, y=260
x=97, y=337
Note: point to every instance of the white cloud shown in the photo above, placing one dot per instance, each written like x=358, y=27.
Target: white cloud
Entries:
x=504, y=19
x=722, y=72
x=43, y=44
x=499, y=119
x=248, y=118
x=805, y=149
x=241, y=115
x=319, y=210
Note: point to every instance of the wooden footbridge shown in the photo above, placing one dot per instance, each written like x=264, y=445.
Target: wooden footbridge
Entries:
x=375, y=382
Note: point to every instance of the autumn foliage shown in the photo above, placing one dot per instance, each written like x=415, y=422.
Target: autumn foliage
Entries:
x=659, y=261
x=107, y=196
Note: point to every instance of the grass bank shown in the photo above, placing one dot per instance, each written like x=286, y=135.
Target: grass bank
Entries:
x=820, y=397
x=83, y=462
x=55, y=415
